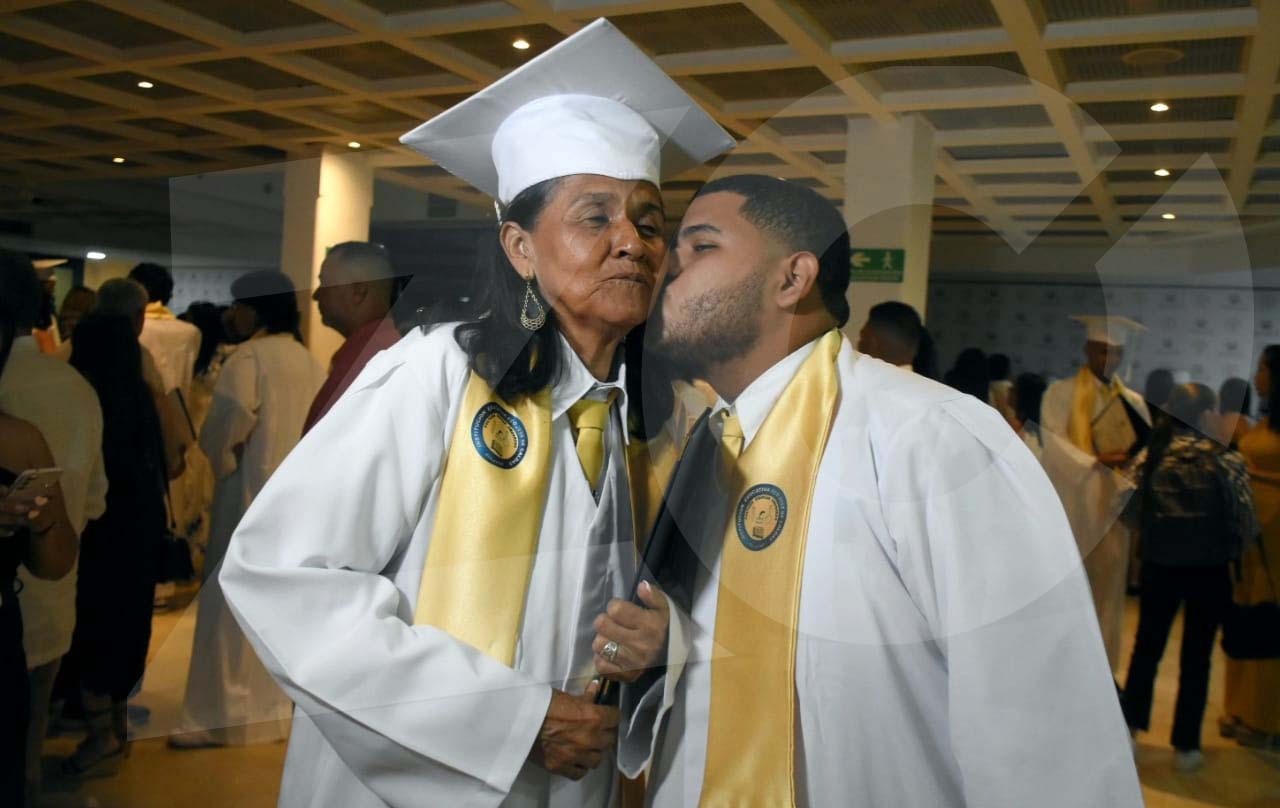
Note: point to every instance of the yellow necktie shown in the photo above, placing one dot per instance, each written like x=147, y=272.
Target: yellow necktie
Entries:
x=731, y=437
x=589, y=418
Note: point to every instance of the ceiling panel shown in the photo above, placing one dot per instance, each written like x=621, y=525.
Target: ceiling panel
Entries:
x=374, y=60
x=495, y=46
x=1190, y=57
x=249, y=73
x=128, y=83
x=791, y=83
x=697, y=29
x=1180, y=109
x=250, y=17
x=859, y=20
x=94, y=21
x=1058, y=10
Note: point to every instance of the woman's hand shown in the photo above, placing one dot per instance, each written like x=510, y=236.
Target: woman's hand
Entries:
x=631, y=639
x=23, y=512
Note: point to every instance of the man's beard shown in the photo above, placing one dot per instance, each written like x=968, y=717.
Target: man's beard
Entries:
x=710, y=329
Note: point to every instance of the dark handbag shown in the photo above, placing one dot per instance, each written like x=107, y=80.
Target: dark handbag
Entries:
x=1253, y=632
x=172, y=560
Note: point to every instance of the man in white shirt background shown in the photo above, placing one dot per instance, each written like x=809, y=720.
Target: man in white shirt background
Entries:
x=173, y=343
x=50, y=394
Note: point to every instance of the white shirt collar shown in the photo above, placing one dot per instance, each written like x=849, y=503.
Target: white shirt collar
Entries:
x=576, y=383
x=753, y=405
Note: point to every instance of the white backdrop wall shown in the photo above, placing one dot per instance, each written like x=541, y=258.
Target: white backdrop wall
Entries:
x=1208, y=333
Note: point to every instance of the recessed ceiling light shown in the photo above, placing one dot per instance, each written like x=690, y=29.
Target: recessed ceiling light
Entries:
x=1168, y=216
x=1162, y=172
x=146, y=85
x=521, y=44
x=95, y=255
x=355, y=144
x=117, y=159
x=1159, y=106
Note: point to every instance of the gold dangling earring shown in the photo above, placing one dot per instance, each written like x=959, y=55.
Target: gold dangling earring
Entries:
x=532, y=323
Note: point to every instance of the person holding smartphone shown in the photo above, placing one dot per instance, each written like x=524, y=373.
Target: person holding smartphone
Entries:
x=35, y=532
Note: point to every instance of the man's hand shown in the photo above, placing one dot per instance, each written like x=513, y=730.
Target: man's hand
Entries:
x=21, y=512
x=640, y=634
x=575, y=734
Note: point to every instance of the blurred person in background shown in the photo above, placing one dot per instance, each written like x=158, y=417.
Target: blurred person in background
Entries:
x=969, y=374
x=1158, y=388
x=35, y=533
x=1252, y=704
x=58, y=401
x=1025, y=398
x=1235, y=403
x=1071, y=410
x=45, y=332
x=1194, y=513
x=118, y=550
x=1000, y=386
x=895, y=334
x=356, y=292
x=78, y=302
x=173, y=344
x=260, y=402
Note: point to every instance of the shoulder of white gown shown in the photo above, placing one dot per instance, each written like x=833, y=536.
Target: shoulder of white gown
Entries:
x=433, y=357
x=888, y=391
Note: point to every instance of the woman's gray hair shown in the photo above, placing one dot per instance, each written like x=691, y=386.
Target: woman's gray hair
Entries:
x=121, y=297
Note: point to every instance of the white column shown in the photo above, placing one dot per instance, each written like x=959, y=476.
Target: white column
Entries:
x=327, y=200
x=888, y=204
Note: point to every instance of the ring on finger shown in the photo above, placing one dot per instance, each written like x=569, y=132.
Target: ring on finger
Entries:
x=610, y=650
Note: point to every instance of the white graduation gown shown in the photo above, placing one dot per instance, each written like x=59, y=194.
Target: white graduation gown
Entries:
x=259, y=405
x=324, y=571
x=947, y=651
x=1093, y=496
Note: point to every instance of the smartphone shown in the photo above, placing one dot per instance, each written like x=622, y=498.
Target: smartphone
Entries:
x=33, y=482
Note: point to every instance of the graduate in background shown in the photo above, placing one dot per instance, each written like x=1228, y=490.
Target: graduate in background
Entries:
x=423, y=573
x=887, y=607
x=1105, y=424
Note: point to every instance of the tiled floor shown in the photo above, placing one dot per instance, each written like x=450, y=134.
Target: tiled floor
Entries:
x=247, y=777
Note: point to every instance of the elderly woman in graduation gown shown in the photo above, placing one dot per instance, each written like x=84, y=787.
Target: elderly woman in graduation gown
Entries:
x=424, y=572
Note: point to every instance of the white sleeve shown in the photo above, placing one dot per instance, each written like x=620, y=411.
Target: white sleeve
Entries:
x=986, y=553
x=233, y=413
x=1055, y=407
x=419, y=717
x=643, y=712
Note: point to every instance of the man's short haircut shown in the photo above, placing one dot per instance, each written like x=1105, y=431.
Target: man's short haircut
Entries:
x=157, y=280
x=121, y=297
x=803, y=221
x=898, y=322
x=21, y=291
x=369, y=260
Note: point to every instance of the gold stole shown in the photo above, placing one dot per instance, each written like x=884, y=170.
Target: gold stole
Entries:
x=1080, y=423
x=485, y=537
x=751, y=737
x=492, y=494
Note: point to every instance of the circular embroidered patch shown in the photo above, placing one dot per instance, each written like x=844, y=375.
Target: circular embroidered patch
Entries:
x=499, y=436
x=762, y=513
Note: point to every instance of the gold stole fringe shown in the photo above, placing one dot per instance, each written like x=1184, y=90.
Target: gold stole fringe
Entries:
x=489, y=515
x=751, y=737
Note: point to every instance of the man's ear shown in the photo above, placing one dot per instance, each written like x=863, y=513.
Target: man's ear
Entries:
x=800, y=273
x=517, y=243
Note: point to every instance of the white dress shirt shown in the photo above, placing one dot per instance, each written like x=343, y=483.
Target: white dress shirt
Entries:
x=55, y=398
x=947, y=654
x=174, y=344
x=323, y=574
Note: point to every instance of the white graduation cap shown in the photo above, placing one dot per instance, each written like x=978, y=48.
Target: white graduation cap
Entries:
x=593, y=104
x=1109, y=329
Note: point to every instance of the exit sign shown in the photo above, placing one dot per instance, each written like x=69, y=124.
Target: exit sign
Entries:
x=875, y=265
